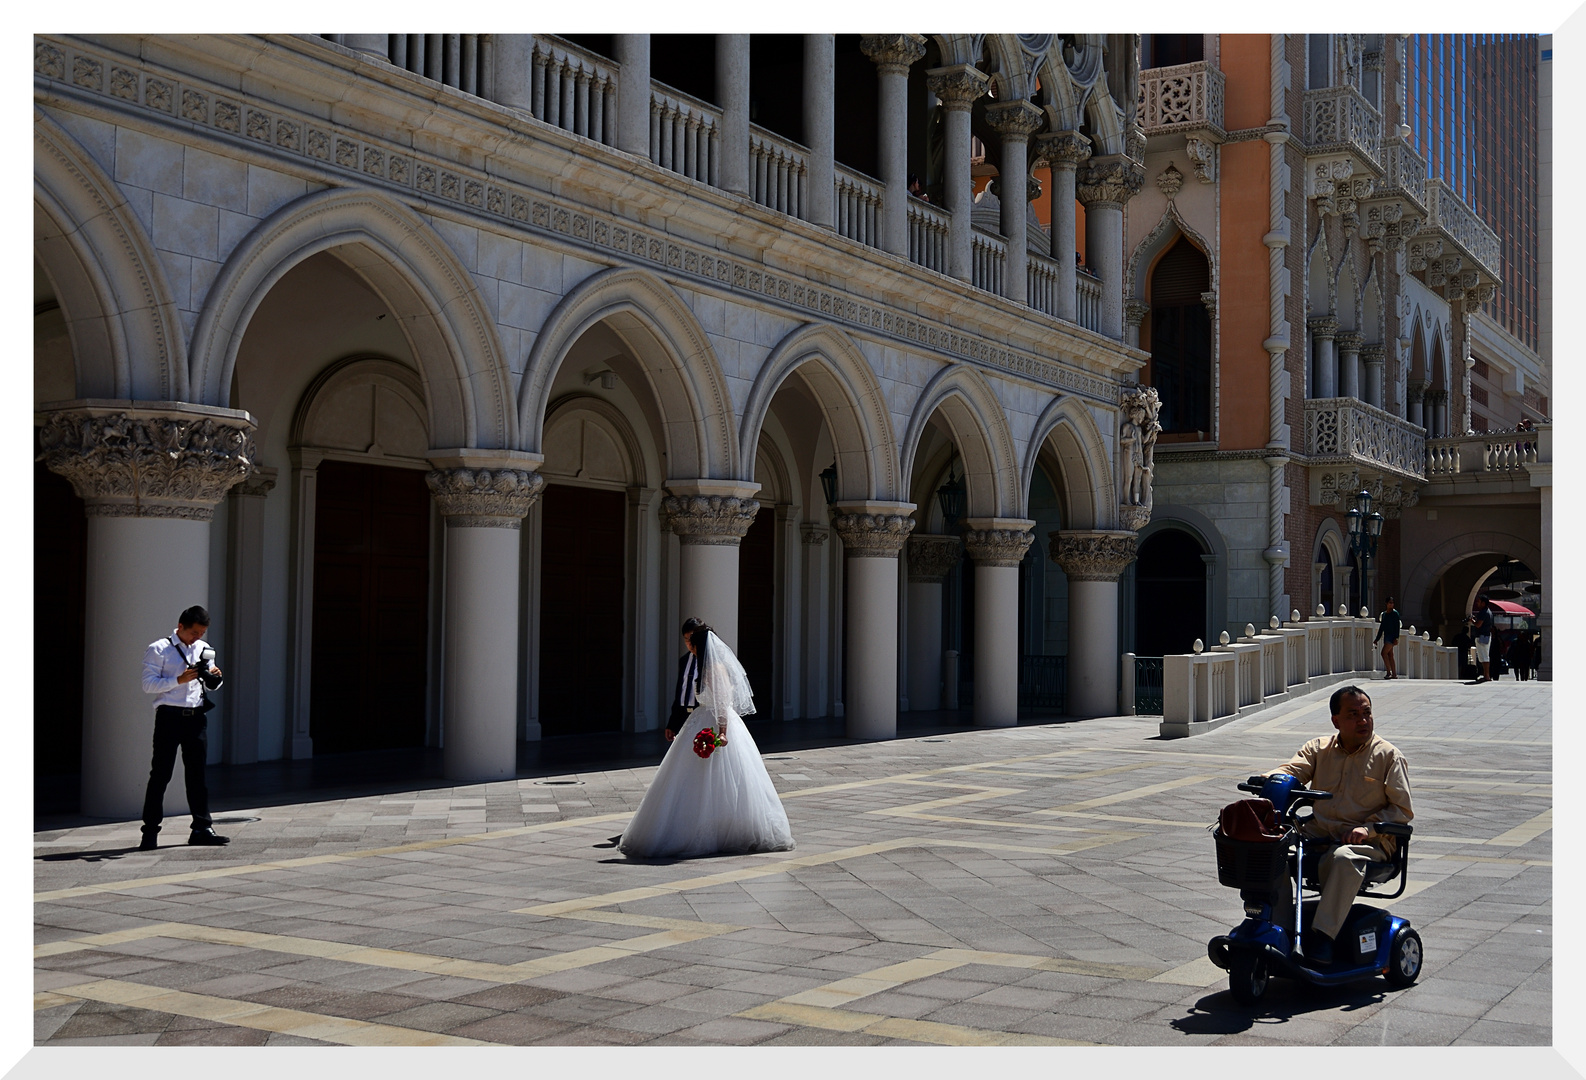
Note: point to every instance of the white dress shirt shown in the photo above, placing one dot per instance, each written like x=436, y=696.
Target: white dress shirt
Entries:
x=162, y=663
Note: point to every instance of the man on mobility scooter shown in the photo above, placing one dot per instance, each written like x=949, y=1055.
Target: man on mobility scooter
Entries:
x=1335, y=815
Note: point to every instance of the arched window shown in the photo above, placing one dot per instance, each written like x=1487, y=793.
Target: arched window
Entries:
x=1181, y=339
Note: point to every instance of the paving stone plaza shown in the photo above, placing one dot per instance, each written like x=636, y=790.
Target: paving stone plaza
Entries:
x=1048, y=884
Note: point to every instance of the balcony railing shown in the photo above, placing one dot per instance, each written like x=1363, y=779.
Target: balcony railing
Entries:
x=1088, y=301
x=1181, y=97
x=858, y=203
x=1505, y=453
x=928, y=235
x=1403, y=172
x=1446, y=212
x=574, y=90
x=1338, y=120
x=778, y=169
x=990, y=258
x=1041, y=284
x=1349, y=430
x=1042, y=681
x=685, y=134
x=455, y=60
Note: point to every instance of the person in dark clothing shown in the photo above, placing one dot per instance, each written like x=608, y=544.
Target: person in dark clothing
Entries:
x=175, y=670
x=1481, y=625
x=1388, y=634
x=683, y=700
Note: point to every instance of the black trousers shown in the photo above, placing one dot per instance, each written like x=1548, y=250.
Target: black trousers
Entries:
x=188, y=729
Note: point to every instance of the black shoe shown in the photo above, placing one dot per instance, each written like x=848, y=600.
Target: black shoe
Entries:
x=1321, y=951
x=150, y=841
x=207, y=838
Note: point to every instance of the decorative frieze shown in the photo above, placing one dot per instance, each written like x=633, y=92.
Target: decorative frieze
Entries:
x=1336, y=489
x=997, y=547
x=1092, y=556
x=147, y=463
x=932, y=557
x=873, y=536
x=708, y=520
x=893, y=54
x=484, y=498
x=1111, y=180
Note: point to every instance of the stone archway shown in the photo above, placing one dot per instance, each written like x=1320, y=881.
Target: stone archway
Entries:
x=979, y=429
x=1067, y=429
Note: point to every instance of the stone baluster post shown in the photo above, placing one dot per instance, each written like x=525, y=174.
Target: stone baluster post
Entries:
x=931, y=558
x=1348, y=345
x=151, y=476
x=633, y=93
x=732, y=94
x=1015, y=121
x=997, y=545
x=820, y=128
x=244, y=616
x=484, y=496
x=1374, y=358
x=1103, y=185
x=1065, y=151
x=958, y=87
x=893, y=55
x=872, y=535
x=514, y=75
x=1324, y=383
x=1093, y=561
x=710, y=519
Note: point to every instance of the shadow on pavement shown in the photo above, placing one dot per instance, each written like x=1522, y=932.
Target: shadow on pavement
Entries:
x=1219, y=1014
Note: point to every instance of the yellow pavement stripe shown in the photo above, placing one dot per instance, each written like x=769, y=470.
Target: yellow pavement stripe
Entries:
x=1479, y=742
x=314, y=860
x=926, y=1031
x=1133, y=793
x=48, y=999
x=1288, y=717
x=955, y=800
x=1524, y=834
x=846, y=991
x=1097, y=838
x=1046, y=963
x=262, y=1017
x=1198, y=972
x=1128, y=820
x=1461, y=857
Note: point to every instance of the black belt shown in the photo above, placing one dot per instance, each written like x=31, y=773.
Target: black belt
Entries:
x=180, y=710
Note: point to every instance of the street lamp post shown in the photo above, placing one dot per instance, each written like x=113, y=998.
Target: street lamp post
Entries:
x=1365, y=528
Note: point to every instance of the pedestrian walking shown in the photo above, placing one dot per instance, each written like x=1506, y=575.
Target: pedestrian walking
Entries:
x=1388, y=634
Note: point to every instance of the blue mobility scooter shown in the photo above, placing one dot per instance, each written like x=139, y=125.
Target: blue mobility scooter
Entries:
x=1272, y=876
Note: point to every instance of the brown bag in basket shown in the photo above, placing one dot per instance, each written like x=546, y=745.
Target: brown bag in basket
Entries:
x=1250, y=820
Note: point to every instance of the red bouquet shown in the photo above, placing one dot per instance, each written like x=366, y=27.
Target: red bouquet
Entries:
x=706, y=741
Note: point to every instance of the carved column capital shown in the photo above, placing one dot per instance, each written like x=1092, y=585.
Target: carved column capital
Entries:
x=813, y=533
x=894, y=54
x=472, y=498
x=873, y=536
x=1350, y=341
x=958, y=86
x=997, y=546
x=1092, y=556
x=1015, y=119
x=1064, y=149
x=1109, y=181
x=260, y=482
x=123, y=461
x=1322, y=326
x=708, y=520
x=932, y=557
x=1134, y=312
x=1374, y=354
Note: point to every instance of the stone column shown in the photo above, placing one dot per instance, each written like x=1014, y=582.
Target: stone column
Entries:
x=1134, y=313
x=374, y=44
x=1440, y=412
x=1348, y=345
x=151, y=477
x=633, y=93
x=997, y=545
x=1092, y=561
x=484, y=496
x=1374, y=358
x=1103, y=186
x=893, y=55
x=710, y=519
x=872, y=535
x=931, y=558
x=244, y=658
x=820, y=128
x=732, y=94
x=1064, y=151
x=1324, y=382
x=958, y=87
x=514, y=74
x=1015, y=121
x=1416, y=395
x=816, y=636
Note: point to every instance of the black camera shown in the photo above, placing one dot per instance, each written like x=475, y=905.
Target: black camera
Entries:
x=202, y=664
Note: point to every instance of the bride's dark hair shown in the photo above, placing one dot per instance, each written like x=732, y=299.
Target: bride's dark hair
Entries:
x=696, y=630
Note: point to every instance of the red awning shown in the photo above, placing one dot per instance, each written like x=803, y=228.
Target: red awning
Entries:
x=1509, y=608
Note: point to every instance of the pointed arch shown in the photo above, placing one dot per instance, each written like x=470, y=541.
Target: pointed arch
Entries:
x=669, y=344
x=980, y=429
x=845, y=386
x=127, y=337
x=1348, y=302
x=1067, y=428
x=450, y=330
x=1319, y=294
x=1167, y=229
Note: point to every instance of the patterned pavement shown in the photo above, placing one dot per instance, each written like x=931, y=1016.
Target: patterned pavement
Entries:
x=1040, y=885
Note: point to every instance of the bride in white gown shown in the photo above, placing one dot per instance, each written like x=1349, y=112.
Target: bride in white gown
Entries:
x=724, y=803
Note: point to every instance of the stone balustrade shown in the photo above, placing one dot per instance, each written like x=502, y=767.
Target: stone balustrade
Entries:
x=1347, y=430
x=1041, y=283
x=685, y=134
x=574, y=90
x=1181, y=98
x=1337, y=119
x=858, y=202
x=1505, y=453
x=990, y=259
x=928, y=235
x=1087, y=290
x=1403, y=172
x=778, y=171
x=1448, y=216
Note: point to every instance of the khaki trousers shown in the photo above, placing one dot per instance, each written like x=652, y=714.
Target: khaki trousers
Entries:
x=1341, y=872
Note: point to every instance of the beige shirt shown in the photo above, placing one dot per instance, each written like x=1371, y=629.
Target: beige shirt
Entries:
x=1372, y=784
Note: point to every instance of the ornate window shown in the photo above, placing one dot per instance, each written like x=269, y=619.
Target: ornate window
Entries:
x=1181, y=339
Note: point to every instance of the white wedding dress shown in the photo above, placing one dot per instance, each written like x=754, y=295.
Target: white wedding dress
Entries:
x=723, y=804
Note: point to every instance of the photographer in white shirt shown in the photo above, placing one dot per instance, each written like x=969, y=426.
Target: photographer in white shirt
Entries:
x=178, y=670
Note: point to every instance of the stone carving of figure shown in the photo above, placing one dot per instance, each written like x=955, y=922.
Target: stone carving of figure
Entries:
x=1137, y=437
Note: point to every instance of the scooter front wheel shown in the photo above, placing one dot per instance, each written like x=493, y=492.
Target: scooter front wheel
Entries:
x=1247, y=976
x=1404, y=959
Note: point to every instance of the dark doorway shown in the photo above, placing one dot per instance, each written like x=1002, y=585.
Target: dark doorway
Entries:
x=582, y=588
x=757, y=609
x=60, y=576
x=686, y=62
x=371, y=608
x=776, y=84
x=1169, y=594
x=1180, y=340
x=1324, y=582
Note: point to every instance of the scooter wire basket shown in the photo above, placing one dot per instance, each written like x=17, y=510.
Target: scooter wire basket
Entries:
x=1256, y=865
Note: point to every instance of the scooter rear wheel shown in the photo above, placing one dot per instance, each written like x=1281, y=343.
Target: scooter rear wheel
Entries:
x=1404, y=959
x=1247, y=976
